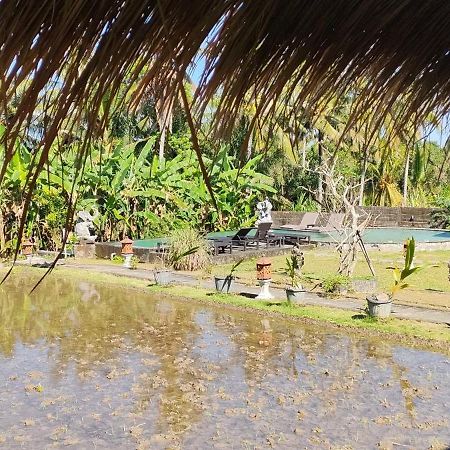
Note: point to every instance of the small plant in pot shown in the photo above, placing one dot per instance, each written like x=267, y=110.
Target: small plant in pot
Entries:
x=162, y=272
x=224, y=283
x=294, y=264
x=380, y=305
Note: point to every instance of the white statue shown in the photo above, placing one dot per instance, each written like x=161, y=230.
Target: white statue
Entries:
x=85, y=225
x=263, y=210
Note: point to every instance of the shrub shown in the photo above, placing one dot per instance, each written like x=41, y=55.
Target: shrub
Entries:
x=193, y=245
x=441, y=217
x=332, y=283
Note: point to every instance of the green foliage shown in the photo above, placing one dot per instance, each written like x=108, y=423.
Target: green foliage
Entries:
x=134, y=262
x=292, y=182
x=118, y=259
x=294, y=264
x=137, y=194
x=441, y=217
x=133, y=192
x=332, y=283
x=401, y=274
x=305, y=203
x=234, y=267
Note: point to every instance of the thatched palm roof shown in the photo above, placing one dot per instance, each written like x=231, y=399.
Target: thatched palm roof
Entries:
x=395, y=48
x=317, y=48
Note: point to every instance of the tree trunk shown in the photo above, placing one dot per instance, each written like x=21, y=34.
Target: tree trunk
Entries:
x=320, y=190
x=405, y=179
x=363, y=177
x=249, y=147
x=304, y=153
x=162, y=144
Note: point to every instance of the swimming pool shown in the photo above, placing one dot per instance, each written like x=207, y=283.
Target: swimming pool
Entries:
x=370, y=236
x=385, y=235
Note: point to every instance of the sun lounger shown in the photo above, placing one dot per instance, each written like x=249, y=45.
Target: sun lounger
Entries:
x=221, y=245
x=334, y=222
x=244, y=238
x=263, y=236
x=308, y=220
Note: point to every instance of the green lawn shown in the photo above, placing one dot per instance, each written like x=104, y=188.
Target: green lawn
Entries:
x=430, y=287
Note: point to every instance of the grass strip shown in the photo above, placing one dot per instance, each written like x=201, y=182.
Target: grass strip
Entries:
x=335, y=316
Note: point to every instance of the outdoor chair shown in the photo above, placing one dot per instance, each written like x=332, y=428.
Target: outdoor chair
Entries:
x=243, y=239
x=221, y=245
x=334, y=222
x=262, y=236
x=308, y=221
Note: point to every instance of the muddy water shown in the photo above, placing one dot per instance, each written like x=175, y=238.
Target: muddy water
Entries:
x=85, y=366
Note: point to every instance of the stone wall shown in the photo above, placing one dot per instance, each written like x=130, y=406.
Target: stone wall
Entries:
x=380, y=217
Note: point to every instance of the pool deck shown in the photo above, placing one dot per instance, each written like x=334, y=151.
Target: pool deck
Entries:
x=379, y=238
x=104, y=250
x=398, y=310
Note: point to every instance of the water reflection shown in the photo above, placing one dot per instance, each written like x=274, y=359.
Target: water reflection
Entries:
x=95, y=366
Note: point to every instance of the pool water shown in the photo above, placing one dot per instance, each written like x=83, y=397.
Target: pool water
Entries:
x=370, y=236
x=383, y=235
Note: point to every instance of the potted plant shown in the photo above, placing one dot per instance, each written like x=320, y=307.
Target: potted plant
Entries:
x=380, y=305
x=162, y=273
x=295, y=291
x=224, y=283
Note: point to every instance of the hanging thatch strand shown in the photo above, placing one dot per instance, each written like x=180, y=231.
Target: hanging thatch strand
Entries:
x=313, y=49
x=390, y=48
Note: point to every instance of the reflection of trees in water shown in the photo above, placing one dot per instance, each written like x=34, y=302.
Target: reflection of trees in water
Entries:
x=178, y=380
x=92, y=324
x=382, y=351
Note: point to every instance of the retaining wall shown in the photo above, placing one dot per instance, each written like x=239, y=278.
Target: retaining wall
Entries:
x=380, y=216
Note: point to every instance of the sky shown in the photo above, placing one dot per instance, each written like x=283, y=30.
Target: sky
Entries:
x=439, y=135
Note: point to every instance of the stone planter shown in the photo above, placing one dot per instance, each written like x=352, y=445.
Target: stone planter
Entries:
x=162, y=277
x=295, y=295
x=365, y=286
x=379, y=305
x=224, y=284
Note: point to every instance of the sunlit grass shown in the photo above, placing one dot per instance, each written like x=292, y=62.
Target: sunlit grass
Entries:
x=430, y=287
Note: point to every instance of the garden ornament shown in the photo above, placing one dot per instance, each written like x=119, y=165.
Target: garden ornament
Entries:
x=84, y=226
x=263, y=210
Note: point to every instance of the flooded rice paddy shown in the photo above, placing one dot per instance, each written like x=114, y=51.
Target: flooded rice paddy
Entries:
x=86, y=366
